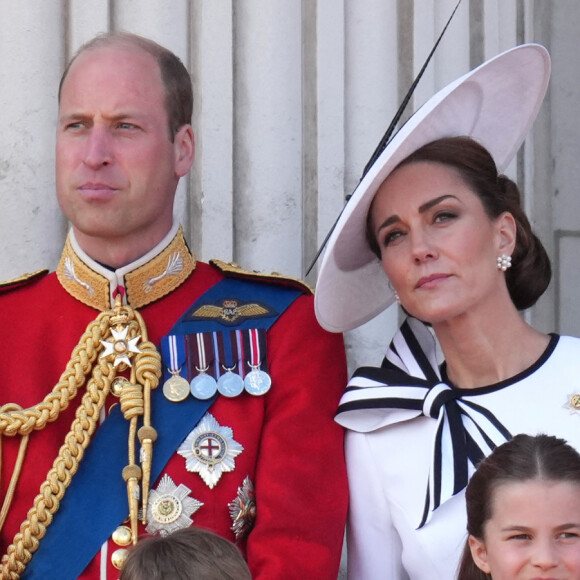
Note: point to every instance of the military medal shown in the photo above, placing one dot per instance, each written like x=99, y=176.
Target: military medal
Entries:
x=210, y=450
x=230, y=384
x=170, y=507
x=202, y=386
x=243, y=510
x=176, y=387
x=257, y=382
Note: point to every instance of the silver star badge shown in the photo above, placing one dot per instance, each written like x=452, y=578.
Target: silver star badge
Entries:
x=170, y=507
x=243, y=510
x=210, y=450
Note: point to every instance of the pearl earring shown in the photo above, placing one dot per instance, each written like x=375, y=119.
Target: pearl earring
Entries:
x=504, y=262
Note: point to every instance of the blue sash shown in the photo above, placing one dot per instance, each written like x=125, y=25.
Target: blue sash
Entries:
x=95, y=502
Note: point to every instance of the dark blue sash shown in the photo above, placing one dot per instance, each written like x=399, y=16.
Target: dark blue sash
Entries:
x=95, y=502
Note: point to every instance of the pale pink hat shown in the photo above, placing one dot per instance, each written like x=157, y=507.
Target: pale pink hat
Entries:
x=495, y=104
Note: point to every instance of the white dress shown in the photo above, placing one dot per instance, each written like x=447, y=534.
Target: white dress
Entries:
x=389, y=467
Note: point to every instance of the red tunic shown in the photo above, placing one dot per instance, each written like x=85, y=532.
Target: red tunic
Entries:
x=293, y=449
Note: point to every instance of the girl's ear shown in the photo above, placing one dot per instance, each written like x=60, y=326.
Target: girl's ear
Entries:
x=479, y=553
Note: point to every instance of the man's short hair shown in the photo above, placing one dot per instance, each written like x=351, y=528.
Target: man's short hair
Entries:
x=175, y=77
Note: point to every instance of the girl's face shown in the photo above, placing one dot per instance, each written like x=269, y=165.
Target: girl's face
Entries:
x=438, y=246
x=533, y=534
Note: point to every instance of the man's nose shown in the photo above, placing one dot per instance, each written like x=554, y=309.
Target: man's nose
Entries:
x=98, y=148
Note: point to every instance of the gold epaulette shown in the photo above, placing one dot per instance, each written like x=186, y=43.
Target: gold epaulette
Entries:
x=235, y=271
x=22, y=280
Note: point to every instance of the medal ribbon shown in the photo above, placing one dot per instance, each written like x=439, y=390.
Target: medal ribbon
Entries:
x=255, y=346
x=201, y=353
x=227, y=350
x=174, y=355
x=409, y=385
x=239, y=338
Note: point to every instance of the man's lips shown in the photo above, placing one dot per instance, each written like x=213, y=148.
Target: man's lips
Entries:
x=431, y=281
x=97, y=190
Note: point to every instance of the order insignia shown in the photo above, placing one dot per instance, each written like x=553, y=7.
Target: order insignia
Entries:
x=209, y=450
x=170, y=507
x=573, y=403
x=231, y=311
x=120, y=348
x=243, y=510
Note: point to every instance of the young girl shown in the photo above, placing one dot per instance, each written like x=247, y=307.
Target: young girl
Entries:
x=523, y=513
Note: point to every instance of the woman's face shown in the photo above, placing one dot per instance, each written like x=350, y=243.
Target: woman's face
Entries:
x=533, y=534
x=438, y=246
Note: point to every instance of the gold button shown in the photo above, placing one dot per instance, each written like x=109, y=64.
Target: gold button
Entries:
x=117, y=385
x=118, y=557
x=122, y=536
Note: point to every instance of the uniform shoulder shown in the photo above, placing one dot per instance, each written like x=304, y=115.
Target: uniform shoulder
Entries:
x=23, y=280
x=232, y=270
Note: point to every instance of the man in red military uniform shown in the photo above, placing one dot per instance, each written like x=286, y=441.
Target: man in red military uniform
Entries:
x=84, y=427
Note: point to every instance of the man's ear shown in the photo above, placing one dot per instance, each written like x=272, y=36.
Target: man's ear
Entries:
x=506, y=229
x=479, y=554
x=184, y=145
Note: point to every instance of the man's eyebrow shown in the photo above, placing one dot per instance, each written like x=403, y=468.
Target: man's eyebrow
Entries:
x=121, y=115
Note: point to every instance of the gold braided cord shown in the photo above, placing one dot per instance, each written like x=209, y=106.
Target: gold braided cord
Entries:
x=103, y=371
x=46, y=503
x=15, y=474
x=23, y=422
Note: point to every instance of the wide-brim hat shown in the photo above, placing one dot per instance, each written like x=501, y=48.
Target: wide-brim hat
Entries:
x=495, y=104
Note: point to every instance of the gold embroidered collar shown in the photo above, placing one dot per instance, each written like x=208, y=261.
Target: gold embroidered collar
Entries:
x=144, y=281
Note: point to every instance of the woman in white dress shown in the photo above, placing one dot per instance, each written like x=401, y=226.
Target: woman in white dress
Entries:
x=436, y=216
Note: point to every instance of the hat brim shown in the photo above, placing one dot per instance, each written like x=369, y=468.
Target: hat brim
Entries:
x=495, y=104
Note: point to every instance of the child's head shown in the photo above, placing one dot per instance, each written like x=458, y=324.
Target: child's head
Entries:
x=187, y=554
x=523, y=512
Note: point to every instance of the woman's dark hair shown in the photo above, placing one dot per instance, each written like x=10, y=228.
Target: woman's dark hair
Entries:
x=523, y=458
x=531, y=272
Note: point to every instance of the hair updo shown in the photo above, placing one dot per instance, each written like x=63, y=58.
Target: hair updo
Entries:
x=531, y=272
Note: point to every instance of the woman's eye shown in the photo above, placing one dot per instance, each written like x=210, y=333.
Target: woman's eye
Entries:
x=391, y=237
x=444, y=216
x=520, y=537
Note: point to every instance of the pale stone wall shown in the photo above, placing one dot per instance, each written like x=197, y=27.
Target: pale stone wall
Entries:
x=291, y=98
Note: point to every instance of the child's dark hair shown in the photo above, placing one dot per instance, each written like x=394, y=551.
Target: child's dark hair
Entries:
x=188, y=554
x=523, y=458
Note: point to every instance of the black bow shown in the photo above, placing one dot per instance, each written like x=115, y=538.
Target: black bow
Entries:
x=410, y=380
